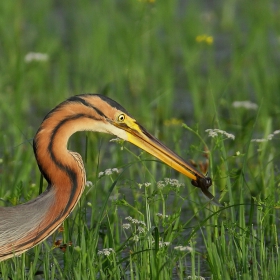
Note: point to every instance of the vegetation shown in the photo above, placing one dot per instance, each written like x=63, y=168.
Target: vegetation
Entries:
x=181, y=67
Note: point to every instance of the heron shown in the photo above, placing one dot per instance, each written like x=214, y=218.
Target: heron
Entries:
x=25, y=225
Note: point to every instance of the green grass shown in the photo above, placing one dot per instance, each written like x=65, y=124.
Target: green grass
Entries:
x=147, y=56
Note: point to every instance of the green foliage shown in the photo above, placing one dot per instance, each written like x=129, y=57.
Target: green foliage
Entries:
x=170, y=63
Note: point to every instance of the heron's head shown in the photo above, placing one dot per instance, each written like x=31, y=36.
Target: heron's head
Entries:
x=114, y=119
x=94, y=112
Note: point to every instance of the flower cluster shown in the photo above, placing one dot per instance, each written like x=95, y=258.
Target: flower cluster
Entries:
x=160, y=215
x=108, y=172
x=146, y=185
x=89, y=184
x=268, y=138
x=138, y=226
x=162, y=244
x=215, y=132
x=114, y=197
x=32, y=56
x=245, y=104
x=126, y=226
x=135, y=238
x=171, y=182
x=183, y=248
x=204, y=39
x=118, y=140
x=141, y=229
x=135, y=221
x=105, y=252
x=195, y=278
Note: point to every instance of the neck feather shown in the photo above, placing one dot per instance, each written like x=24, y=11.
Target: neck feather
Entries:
x=23, y=226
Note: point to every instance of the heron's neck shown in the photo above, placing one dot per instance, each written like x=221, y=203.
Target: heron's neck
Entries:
x=25, y=225
x=63, y=169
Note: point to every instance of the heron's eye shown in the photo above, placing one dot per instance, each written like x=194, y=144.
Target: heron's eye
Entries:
x=121, y=117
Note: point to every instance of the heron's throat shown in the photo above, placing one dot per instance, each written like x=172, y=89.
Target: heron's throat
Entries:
x=63, y=169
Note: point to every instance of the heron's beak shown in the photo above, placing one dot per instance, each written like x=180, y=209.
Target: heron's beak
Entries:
x=138, y=136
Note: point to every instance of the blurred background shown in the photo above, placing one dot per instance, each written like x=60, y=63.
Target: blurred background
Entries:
x=173, y=57
x=167, y=62
x=202, y=63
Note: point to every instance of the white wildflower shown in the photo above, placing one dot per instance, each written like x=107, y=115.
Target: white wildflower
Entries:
x=169, y=181
x=142, y=223
x=160, y=185
x=214, y=132
x=163, y=244
x=106, y=252
x=135, y=238
x=173, y=182
x=116, y=140
x=268, y=138
x=114, y=197
x=135, y=221
x=183, y=248
x=141, y=229
x=160, y=215
x=89, y=184
x=126, y=226
x=33, y=56
x=108, y=172
x=196, y=278
x=116, y=170
x=259, y=140
x=119, y=141
x=144, y=184
x=245, y=104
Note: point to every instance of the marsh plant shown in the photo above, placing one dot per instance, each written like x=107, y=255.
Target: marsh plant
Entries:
x=204, y=78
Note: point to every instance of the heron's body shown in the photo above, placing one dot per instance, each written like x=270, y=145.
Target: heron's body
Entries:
x=23, y=226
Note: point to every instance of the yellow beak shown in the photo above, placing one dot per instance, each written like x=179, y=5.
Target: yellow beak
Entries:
x=140, y=137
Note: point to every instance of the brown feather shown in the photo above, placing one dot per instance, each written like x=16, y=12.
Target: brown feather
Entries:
x=24, y=226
